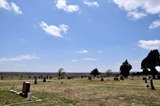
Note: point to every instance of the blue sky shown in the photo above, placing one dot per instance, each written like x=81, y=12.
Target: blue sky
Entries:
x=77, y=35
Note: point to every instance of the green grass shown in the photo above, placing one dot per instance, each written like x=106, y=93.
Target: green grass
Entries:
x=6, y=97
x=82, y=92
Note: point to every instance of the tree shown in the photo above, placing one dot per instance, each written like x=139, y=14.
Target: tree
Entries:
x=61, y=73
x=125, y=68
x=108, y=72
x=95, y=72
x=149, y=63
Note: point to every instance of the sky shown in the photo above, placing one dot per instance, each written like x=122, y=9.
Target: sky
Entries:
x=77, y=35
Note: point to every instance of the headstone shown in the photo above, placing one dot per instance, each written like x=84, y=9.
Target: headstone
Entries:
x=89, y=78
x=44, y=79
x=116, y=78
x=29, y=96
x=147, y=86
x=121, y=78
x=35, y=80
x=144, y=78
x=25, y=89
x=102, y=79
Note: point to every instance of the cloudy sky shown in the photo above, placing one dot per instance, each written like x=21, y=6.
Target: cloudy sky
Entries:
x=77, y=35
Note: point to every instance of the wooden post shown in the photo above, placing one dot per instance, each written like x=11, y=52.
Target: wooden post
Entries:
x=25, y=89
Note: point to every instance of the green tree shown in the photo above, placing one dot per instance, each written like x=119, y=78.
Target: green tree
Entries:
x=108, y=72
x=61, y=73
x=149, y=63
x=125, y=69
x=95, y=72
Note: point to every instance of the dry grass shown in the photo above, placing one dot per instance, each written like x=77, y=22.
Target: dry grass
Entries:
x=89, y=93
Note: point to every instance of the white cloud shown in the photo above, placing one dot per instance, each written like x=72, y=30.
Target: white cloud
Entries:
x=149, y=45
x=62, y=4
x=15, y=8
x=83, y=51
x=90, y=59
x=18, y=58
x=141, y=6
x=10, y=6
x=4, y=5
x=136, y=15
x=54, y=30
x=155, y=24
x=99, y=51
x=91, y=4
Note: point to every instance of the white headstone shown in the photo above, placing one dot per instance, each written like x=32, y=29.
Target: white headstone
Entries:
x=29, y=97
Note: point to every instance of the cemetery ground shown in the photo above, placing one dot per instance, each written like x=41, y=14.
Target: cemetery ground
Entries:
x=81, y=92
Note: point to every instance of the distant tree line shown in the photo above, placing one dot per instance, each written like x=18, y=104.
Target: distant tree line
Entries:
x=148, y=66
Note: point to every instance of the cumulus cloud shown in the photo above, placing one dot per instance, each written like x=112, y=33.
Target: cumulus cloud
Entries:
x=83, y=51
x=155, y=24
x=18, y=58
x=54, y=30
x=10, y=6
x=136, y=15
x=142, y=7
x=62, y=4
x=91, y=4
x=15, y=8
x=4, y=5
x=149, y=44
x=90, y=59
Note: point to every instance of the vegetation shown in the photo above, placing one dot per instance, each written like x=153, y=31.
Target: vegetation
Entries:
x=149, y=63
x=108, y=72
x=82, y=92
x=61, y=74
x=95, y=72
x=125, y=68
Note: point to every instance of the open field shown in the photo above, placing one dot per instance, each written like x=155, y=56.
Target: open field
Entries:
x=82, y=92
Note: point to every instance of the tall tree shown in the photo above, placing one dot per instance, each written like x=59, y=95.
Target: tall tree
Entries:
x=95, y=72
x=125, y=68
x=61, y=73
x=149, y=63
x=108, y=72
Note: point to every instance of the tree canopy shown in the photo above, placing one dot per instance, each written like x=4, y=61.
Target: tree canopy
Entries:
x=61, y=73
x=95, y=72
x=149, y=63
x=125, y=68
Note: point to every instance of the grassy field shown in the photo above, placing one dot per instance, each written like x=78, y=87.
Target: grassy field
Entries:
x=82, y=92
